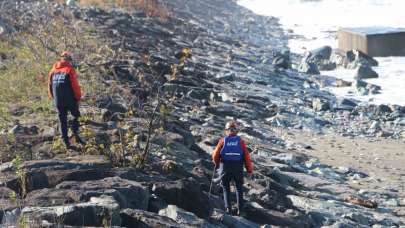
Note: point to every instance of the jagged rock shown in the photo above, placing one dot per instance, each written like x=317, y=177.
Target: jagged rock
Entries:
x=375, y=126
x=145, y=219
x=365, y=72
x=321, y=53
x=365, y=88
x=54, y=197
x=352, y=59
x=232, y=221
x=308, y=68
x=7, y=203
x=289, y=218
x=320, y=57
x=342, y=83
x=24, y=130
x=129, y=194
x=184, y=193
x=97, y=212
x=320, y=105
x=324, y=210
x=382, y=109
x=282, y=60
x=48, y=173
x=346, y=104
x=289, y=159
x=183, y=217
x=359, y=218
x=356, y=58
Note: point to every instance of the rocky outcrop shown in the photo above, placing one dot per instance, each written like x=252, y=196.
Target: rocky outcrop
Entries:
x=238, y=69
x=365, y=72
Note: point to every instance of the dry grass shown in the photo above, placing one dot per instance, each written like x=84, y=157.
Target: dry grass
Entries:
x=152, y=8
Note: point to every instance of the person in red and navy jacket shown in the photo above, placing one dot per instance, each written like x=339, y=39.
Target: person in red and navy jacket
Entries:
x=64, y=88
x=230, y=155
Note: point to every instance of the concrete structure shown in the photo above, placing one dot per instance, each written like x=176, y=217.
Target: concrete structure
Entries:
x=374, y=41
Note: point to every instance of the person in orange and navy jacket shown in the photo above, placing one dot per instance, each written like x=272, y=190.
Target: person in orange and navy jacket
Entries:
x=64, y=88
x=230, y=155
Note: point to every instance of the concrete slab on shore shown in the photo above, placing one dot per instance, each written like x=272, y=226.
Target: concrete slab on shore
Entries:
x=374, y=41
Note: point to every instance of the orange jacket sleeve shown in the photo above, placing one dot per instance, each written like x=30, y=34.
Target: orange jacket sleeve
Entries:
x=75, y=85
x=217, y=152
x=246, y=154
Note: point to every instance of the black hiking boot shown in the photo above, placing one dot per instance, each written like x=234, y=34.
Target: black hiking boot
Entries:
x=240, y=212
x=67, y=145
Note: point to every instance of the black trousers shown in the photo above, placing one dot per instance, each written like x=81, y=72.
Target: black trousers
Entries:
x=63, y=116
x=232, y=172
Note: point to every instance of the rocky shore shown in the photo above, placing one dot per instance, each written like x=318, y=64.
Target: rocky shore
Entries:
x=209, y=62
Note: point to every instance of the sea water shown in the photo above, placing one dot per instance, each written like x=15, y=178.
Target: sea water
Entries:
x=317, y=22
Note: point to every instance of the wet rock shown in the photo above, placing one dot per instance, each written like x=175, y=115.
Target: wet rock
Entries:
x=145, y=219
x=356, y=58
x=321, y=53
x=320, y=57
x=183, y=217
x=365, y=72
x=365, y=88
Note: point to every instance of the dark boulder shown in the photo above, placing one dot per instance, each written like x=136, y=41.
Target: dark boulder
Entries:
x=99, y=211
x=346, y=104
x=319, y=104
x=282, y=59
x=321, y=53
x=321, y=58
x=129, y=194
x=365, y=72
x=145, y=219
x=355, y=58
x=308, y=68
x=383, y=110
x=365, y=88
x=185, y=193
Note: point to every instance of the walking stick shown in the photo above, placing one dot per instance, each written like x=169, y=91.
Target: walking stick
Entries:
x=212, y=178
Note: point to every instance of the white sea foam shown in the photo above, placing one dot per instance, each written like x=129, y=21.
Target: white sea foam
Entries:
x=318, y=22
